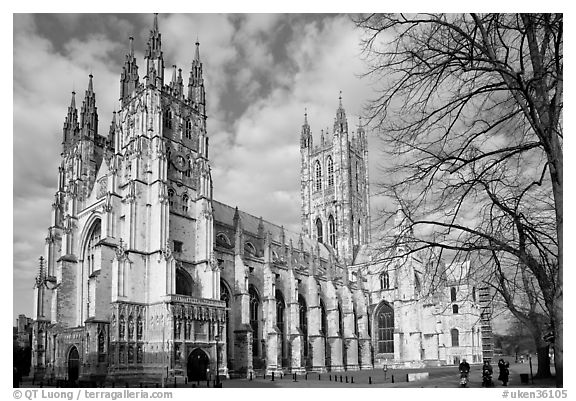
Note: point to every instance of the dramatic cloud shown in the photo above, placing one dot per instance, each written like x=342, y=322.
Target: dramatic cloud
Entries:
x=261, y=72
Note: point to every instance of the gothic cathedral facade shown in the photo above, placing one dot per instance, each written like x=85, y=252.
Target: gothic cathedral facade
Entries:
x=145, y=276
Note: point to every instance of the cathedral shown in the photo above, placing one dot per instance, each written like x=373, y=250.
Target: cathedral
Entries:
x=145, y=276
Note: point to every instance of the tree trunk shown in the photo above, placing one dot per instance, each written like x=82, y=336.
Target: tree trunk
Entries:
x=558, y=341
x=542, y=349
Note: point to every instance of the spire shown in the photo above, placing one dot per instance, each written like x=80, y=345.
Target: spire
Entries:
x=88, y=113
x=129, y=78
x=70, y=129
x=306, y=136
x=340, y=122
x=153, y=55
x=196, y=91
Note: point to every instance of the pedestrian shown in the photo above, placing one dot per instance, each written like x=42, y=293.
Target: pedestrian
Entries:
x=504, y=372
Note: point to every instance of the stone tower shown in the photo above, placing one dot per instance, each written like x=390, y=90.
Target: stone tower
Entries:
x=334, y=187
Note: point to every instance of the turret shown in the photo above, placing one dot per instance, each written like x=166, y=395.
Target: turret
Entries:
x=71, y=128
x=306, y=135
x=89, y=113
x=340, y=122
x=129, y=78
x=154, y=56
x=196, y=92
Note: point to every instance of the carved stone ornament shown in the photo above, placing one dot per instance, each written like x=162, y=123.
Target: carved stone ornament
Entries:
x=214, y=265
x=121, y=251
x=107, y=206
x=102, y=187
x=167, y=251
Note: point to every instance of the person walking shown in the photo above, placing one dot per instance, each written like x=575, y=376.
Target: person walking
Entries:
x=504, y=372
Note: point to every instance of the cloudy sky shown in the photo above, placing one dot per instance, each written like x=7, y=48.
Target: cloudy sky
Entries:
x=261, y=72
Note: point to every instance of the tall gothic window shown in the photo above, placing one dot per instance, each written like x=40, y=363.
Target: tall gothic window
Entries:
x=455, y=340
x=356, y=332
x=188, y=129
x=384, y=281
x=184, y=282
x=318, y=171
x=280, y=308
x=168, y=119
x=303, y=322
x=319, y=230
x=332, y=231
x=122, y=327
x=385, y=329
x=139, y=328
x=185, y=203
x=93, y=239
x=330, y=166
x=453, y=294
x=254, y=306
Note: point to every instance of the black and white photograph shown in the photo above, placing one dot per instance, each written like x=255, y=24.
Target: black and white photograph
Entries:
x=292, y=200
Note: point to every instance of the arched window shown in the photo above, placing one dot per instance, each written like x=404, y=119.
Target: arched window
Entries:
x=303, y=322
x=318, y=171
x=332, y=231
x=185, y=203
x=254, y=306
x=330, y=166
x=171, y=197
x=474, y=294
x=250, y=249
x=168, y=119
x=453, y=294
x=93, y=240
x=385, y=329
x=356, y=332
x=280, y=318
x=222, y=240
x=184, y=283
x=384, y=281
x=455, y=309
x=188, y=128
x=455, y=339
x=319, y=230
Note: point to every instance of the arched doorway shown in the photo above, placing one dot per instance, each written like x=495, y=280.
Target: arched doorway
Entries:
x=198, y=362
x=73, y=365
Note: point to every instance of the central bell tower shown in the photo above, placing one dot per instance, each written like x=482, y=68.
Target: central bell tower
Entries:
x=334, y=186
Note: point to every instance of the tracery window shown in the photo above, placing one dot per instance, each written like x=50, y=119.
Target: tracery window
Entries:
x=280, y=308
x=384, y=281
x=318, y=171
x=340, y=321
x=324, y=319
x=254, y=306
x=185, y=203
x=93, y=240
x=168, y=118
x=139, y=328
x=385, y=329
x=330, y=166
x=319, y=230
x=188, y=128
x=303, y=321
x=332, y=231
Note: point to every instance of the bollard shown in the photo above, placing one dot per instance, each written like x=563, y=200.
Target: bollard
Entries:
x=295, y=377
x=250, y=376
x=264, y=375
x=272, y=376
x=174, y=381
x=306, y=376
x=319, y=377
x=369, y=379
x=330, y=377
x=407, y=379
x=156, y=385
x=352, y=378
x=346, y=379
x=340, y=378
x=392, y=378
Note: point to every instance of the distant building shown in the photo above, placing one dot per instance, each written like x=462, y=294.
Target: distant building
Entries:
x=148, y=277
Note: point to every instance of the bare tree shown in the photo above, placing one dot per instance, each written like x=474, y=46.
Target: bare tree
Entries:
x=470, y=111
